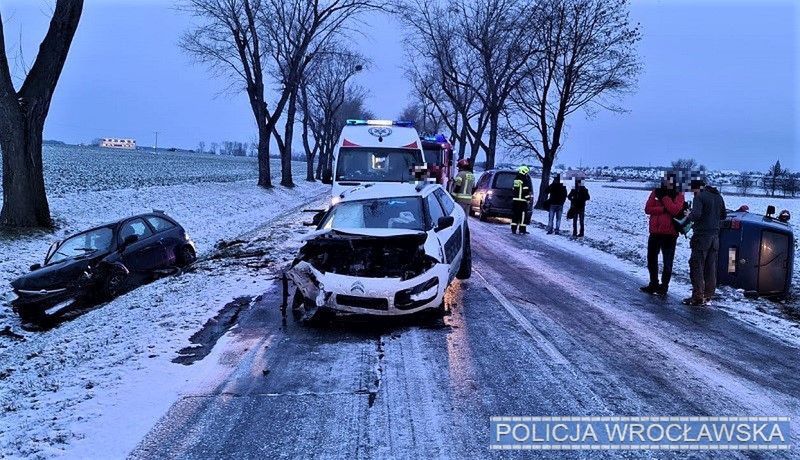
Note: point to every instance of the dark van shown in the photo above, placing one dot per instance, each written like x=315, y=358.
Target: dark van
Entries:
x=756, y=253
x=493, y=194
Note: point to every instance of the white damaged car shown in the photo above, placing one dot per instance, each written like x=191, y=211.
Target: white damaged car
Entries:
x=384, y=249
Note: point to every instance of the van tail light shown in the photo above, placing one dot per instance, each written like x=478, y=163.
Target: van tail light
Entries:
x=732, y=259
x=736, y=224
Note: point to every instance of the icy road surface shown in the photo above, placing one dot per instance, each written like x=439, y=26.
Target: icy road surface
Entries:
x=538, y=330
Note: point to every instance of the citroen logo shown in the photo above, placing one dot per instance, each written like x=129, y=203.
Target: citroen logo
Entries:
x=357, y=287
x=380, y=132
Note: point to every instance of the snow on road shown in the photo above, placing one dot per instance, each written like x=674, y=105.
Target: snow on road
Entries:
x=55, y=384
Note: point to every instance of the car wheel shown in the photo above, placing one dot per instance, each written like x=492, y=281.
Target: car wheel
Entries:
x=186, y=256
x=114, y=283
x=465, y=270
x=32, y=315
x=482, y=214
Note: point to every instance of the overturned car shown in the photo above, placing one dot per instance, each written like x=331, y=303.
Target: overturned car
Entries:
x=384, y=249
x=101, y=262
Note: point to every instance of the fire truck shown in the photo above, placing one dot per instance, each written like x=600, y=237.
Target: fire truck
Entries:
x=439, y=158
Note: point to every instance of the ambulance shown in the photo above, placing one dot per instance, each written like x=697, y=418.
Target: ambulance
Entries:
x=376, y=151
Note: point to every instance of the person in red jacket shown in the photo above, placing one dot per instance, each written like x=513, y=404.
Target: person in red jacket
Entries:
x=664, y=203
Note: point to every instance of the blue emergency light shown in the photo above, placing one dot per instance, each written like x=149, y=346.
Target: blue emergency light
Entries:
x=399, y=123
x=436, y=138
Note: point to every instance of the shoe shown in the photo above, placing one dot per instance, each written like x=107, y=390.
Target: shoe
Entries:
x=649, y=289
x=513, y=230
x=662, y=290
x=558, y=232
x=692, y=302
x=549, y=232
x=523, y=231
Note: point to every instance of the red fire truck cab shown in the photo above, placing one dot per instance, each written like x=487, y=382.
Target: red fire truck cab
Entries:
x=439, y=158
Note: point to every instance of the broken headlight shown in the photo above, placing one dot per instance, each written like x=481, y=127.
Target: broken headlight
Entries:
x=417, y=296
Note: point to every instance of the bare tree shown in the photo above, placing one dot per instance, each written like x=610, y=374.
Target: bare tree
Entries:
x=298, y=31
x=588, y=60
x=744, y=183
x=788, y=183
x=201, y=147
x=22, y=116
x=772, y=179
x=322, y=93
x=228, y=41
x=480, y=51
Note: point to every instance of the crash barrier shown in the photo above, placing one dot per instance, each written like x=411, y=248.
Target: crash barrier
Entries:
x=756, y=253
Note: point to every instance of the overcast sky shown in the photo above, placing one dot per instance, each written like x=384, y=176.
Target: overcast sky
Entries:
x=720, y=82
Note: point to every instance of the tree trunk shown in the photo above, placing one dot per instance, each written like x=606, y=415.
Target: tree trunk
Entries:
x=22, y=117
x=494, y=121
x=286, y=153
x=462, y=143
x=264, y=174
x=547, y=167
x=24, y=197
x=323, y=155
x=310, y=153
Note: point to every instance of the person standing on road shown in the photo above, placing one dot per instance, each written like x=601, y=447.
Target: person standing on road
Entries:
x=578, y=197
x=519, y=205
x=708, y=210
x=664, y=204
x=556, y=197
x=463, y=184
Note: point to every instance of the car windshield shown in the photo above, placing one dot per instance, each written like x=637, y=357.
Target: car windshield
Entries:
x=376, y=164
x=405, y=213
x=433, y=156
x=95, y=240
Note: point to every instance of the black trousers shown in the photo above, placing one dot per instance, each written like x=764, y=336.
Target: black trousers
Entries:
x=579, y=214
x=664, y=244
x=519, y=209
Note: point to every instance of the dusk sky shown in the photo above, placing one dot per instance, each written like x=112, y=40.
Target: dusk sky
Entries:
x=720, y=83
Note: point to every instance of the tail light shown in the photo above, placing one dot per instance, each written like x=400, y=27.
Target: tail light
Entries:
x=732, y=252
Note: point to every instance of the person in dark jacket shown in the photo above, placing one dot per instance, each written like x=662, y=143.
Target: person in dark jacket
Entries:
x=556, y=197
x=578, y=197
x=519, y=205
x=708, y=209
x=664, y=204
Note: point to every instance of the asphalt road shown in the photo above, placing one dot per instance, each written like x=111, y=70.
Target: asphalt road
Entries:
x=537, y=330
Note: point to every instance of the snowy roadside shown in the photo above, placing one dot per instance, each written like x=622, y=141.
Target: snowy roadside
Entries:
x=113, y=365
x=616, y=225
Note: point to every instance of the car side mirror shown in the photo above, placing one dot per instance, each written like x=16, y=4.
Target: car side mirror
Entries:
x=770, y=211
x=445, y=222
x=129, y=240
x=35, y=267
x=315, y=221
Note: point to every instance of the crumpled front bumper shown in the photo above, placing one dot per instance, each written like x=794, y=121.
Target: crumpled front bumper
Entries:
x=370, y=296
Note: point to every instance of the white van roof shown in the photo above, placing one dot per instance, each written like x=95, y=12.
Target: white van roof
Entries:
x=379, y=133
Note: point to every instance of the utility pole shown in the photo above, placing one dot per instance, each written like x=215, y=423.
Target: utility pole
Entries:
x=155, y=148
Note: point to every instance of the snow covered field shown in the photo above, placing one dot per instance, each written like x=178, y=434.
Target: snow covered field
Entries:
x=54, y=384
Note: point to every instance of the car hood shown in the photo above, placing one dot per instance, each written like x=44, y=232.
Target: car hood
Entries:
x=399, y=254
x=55, y=276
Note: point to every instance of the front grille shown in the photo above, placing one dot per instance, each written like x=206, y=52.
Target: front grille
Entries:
x=370, y=303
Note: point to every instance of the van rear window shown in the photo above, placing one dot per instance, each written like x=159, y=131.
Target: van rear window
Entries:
x=504, y=180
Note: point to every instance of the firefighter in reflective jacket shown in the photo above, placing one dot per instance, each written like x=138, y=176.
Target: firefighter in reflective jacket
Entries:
x=463, y=183
x=519, y=206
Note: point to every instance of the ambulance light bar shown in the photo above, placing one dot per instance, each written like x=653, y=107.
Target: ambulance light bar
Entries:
x=402, y=124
